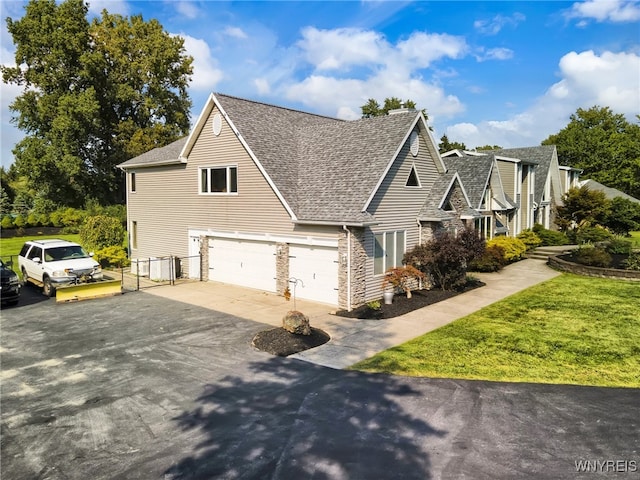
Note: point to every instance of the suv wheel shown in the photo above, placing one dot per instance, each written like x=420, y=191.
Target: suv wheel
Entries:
x=47, y=288
x=25, y=277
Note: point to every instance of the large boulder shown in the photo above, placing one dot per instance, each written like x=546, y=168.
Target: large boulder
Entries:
x=297, y=323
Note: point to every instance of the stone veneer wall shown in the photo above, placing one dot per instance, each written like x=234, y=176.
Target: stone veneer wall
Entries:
x=282, y=267
x=358, y=268
x=564, y=266
x=204, y=258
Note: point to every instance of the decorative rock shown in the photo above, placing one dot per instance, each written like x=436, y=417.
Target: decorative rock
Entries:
x=297, y=323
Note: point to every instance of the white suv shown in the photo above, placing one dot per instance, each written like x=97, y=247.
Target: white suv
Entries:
x=52, y=263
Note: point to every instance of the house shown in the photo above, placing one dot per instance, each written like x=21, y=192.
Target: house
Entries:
x=272, y=198
x=525, y=185
x=480, y=175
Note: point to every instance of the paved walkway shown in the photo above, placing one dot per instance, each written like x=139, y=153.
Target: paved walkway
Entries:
x=353, y=340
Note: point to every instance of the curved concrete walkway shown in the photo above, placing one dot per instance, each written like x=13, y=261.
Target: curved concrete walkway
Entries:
x=353, y=340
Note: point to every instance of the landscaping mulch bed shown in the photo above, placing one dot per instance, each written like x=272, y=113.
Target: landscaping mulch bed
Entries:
x=278, y=341
x=401, y=304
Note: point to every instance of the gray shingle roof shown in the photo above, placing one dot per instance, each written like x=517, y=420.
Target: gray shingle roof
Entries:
x=474, y=172
x=158, y=156
x=610, y=192
x=325, y=168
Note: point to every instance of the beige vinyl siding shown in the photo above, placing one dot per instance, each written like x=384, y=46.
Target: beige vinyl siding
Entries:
x=508, y=175
x=396, y=206
x=525, y=198
x=167, y=203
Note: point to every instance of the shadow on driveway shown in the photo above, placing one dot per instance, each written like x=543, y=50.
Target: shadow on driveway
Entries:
x=291, y=420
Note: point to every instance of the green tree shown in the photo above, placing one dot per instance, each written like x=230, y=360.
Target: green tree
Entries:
x=604, y=145
x=623, y=216
x=445, y=145
x=489, y=147
x=582, y=207
x=373, y=109
x=95, y=94
x=100, y=231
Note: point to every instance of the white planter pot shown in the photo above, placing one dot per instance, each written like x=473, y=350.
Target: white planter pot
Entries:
x=388, y=298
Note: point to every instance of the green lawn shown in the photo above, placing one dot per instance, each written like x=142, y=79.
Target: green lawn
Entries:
x=570, y=330
x=12, y=246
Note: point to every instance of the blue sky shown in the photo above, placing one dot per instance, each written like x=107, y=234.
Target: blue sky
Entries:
x=505, y=73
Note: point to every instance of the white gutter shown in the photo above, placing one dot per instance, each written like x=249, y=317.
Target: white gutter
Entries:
x=346, y=229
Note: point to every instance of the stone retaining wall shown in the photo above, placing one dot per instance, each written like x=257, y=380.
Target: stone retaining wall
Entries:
x=565, y=266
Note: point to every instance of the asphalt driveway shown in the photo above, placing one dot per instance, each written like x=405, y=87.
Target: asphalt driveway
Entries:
x=139, y=386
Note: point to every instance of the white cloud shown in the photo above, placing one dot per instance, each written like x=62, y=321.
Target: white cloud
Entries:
x=112, y=6
x=382, y=69
x=206, y=74
x=494, y=54
x=497, y=23
x=588, y=79
x=262, y=85
x=187, y=9
x=605, y=10
x=342, y=47
x=235, y=32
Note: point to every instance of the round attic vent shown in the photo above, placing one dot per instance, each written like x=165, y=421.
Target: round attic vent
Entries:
x=414, y=143
x=217, y=124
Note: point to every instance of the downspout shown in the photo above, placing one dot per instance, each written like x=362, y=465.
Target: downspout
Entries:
x=346, y=229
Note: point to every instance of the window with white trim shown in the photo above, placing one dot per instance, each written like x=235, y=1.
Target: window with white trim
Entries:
x=219, y=180
x=388, y=251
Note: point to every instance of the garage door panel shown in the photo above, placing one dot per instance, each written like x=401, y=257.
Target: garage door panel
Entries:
x=243, y=262
x=317, y=268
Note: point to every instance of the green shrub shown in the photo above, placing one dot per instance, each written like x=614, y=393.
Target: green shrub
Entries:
x=592, y=235
x=33, y=220
x=113, y=256
x=72, y=218
x=492, y=260
x=514, y=248
x=55, y=218
x=530, y=239
x=43, y=219
x=633, y=262
x=445, y=258
x=100, y=231
x=552, y=237
x=7, y=222
x=619, y=246
x=19, y=222
x=591, y=256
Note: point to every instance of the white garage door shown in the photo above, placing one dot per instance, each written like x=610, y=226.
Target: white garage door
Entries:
x=243, y=262
x=317, y=267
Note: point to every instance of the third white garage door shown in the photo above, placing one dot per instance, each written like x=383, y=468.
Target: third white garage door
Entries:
x=243, y=262
x=317, y=267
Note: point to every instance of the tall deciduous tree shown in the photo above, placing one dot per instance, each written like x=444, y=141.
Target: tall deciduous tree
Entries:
x=95, y=94
x=604, y=145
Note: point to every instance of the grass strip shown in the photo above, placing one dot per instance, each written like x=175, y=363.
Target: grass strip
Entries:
x=568, y=330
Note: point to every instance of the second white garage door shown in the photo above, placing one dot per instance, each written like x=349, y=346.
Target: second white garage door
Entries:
x=317, y=267
x=243, y=262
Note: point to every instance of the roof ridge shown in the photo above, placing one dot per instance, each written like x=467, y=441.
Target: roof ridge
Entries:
x=279, y=107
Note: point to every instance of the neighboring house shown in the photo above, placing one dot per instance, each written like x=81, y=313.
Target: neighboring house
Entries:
x=569, y=178
x=609, y=192
x=541, y=189
x=526, y=184
x=267, y=195
x=480, y=175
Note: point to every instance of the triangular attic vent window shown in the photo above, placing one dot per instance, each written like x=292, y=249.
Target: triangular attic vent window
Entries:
x=447, y=207
x=413, y=181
